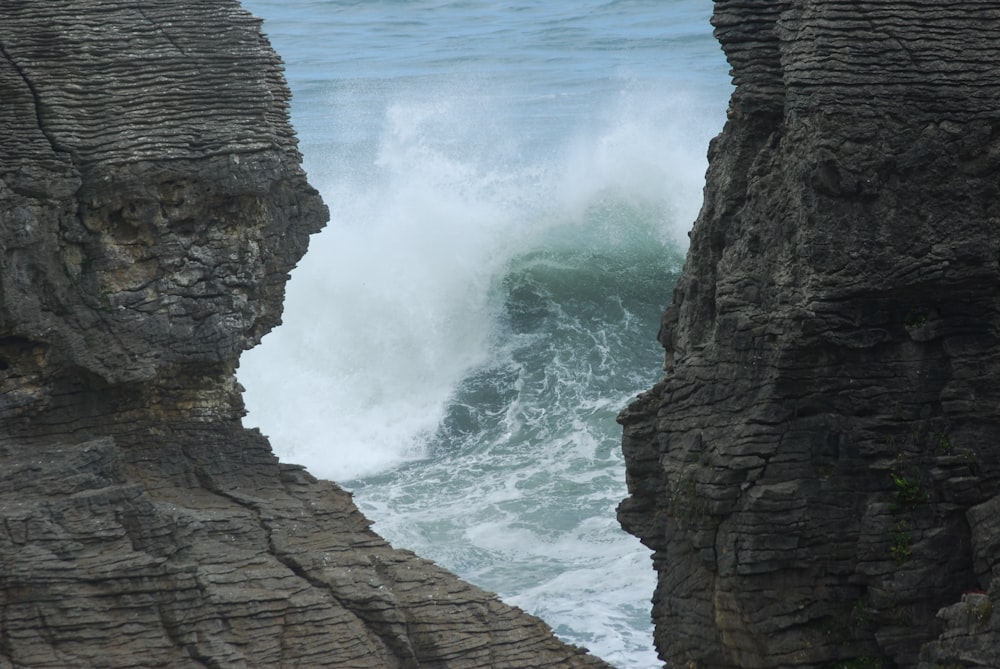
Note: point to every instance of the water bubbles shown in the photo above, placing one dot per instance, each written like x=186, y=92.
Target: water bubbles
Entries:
x=510, y=187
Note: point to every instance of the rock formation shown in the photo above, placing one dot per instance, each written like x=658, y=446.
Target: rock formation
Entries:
x=151, y=207
x=818, y=472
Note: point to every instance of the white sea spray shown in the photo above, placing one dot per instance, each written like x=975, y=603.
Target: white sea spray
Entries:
x=510, y=189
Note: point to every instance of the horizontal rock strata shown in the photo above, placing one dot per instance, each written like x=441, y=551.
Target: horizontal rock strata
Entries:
x=818, y=472
x=151, y=207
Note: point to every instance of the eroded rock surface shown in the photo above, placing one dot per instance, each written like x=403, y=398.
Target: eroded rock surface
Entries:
x=818, y=472
x=151, y=207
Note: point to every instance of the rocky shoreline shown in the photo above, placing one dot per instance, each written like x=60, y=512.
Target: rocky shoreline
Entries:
x=152, y=204
x=818, y=472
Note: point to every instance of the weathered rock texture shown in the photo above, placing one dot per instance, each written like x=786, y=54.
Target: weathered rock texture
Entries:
x=151, y=206
x=818, y=472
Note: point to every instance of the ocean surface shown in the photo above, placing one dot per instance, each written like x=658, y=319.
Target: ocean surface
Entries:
x=510, y=185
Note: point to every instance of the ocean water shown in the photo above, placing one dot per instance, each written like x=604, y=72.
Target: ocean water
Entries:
x=510, y=185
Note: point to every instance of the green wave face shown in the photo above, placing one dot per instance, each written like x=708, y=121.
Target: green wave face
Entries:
x=520, y=481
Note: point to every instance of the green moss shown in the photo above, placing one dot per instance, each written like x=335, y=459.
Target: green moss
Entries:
x=914, y=319
x=901, y=541
x=981, y=610
x=860, y=614
x=908, y=491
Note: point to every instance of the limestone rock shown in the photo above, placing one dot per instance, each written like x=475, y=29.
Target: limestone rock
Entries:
x=151, y=206
x=818, y=472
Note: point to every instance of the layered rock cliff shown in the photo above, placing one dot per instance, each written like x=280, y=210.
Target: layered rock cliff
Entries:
x=151, y=207
x=818, y=472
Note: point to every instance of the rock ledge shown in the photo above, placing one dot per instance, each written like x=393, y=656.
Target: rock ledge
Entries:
x=818, y=472
x=151, y=206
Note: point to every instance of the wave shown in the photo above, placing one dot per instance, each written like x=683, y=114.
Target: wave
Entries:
x=402, y=296
x=458, y=341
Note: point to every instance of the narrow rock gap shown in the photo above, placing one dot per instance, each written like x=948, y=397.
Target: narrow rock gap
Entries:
x=175, y=636
x=36, y=96
x=161, y=30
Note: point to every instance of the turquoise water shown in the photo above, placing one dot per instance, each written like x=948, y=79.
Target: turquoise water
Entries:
x=510, y=186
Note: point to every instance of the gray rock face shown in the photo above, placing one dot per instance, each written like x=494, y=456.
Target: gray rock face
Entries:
x=151, y=207
x=818, y=472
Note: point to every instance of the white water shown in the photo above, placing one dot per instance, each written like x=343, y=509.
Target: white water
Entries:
x=510, y=187
x=394, y=302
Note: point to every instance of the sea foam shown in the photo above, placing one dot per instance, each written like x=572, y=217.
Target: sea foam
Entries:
x=396, y=300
